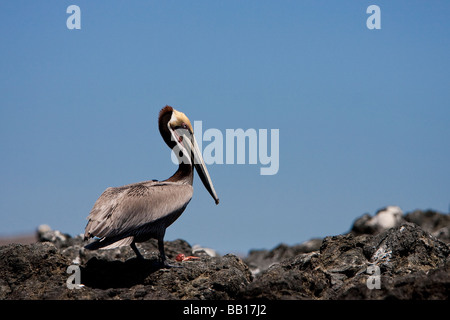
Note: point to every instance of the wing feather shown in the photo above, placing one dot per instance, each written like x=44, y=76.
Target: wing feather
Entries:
x=120, y=210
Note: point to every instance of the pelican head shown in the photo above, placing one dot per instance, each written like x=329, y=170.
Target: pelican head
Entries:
x=177, y=132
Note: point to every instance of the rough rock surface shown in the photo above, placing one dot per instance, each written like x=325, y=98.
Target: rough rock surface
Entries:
x=388, y=256
x=411, y=264
x=39, y=271
x=260, y=260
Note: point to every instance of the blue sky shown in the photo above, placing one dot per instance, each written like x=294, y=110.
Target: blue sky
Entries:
x=363, y=115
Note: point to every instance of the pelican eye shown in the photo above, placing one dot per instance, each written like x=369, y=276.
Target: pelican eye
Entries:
x=183, y=126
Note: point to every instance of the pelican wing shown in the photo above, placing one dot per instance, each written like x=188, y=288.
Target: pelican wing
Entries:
x=122, y=209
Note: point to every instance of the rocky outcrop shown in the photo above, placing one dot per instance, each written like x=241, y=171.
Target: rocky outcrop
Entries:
x=39, y=271
x=387, y=256
x=436, y=223
x=403, y=262
x=260, y=260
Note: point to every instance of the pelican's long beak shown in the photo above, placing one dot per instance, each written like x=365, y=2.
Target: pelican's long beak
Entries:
x=188, y=145
x=202, y=171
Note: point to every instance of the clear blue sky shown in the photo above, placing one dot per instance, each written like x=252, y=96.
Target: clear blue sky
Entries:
x=363, y=115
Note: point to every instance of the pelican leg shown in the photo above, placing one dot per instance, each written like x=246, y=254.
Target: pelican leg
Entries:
x=162, y=256
x=135, y=249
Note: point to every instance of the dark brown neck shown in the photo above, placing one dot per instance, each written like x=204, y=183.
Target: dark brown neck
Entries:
x=184, y=174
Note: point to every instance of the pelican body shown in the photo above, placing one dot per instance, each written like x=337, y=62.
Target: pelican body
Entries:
x=141, y=211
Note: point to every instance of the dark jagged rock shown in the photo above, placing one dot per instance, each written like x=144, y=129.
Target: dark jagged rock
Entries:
x=260, y=260
x=39, y=271
x=404, y=256
x=388, y=256
x=206, y=278
x=35, y=271
x=438, y=224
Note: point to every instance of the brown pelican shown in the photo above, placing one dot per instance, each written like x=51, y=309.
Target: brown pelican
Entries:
x=140, y=211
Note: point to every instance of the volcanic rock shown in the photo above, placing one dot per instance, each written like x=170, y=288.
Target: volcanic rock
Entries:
x=409, y=263
x=39, y=271
x=388, y=256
